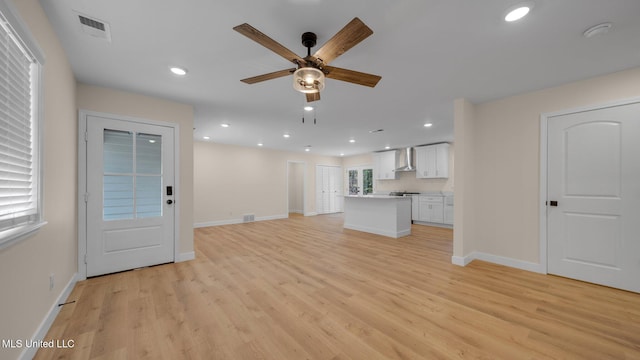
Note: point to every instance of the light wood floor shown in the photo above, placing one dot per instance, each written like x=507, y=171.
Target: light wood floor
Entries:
x=304, y=288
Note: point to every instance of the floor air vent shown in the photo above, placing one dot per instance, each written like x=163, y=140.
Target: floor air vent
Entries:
x=94, y=27
x=248, y=218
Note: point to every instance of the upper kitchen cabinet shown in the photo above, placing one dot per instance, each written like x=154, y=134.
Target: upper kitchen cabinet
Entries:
x=432, y=161
x=384, y=165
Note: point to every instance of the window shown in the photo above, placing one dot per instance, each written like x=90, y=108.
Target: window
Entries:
x=367, y=181
x=132, y=175
x=20, y=180
x=360, y=180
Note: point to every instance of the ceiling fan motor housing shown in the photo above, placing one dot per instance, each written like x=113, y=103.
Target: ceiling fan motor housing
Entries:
x=309, y=40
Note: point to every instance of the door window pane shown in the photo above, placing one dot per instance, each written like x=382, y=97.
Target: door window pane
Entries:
x=132, y=175
x=367, y=181
x=118, y=151
x=118, y=197
x=148, y=196
x=353, y=182
x=148, y=154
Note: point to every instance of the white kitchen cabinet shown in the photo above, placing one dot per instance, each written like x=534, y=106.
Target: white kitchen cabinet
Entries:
x=448, y=210
x=415, y=208
x=432, y=161
x=431, y=209
x=384, y=164
x=329, y=189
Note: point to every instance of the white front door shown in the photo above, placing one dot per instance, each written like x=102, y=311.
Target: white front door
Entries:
x=130, y=210
x=593, y=216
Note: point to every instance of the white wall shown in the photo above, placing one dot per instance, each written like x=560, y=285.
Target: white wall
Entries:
x=25, y=267
x=503, y=183
x=231, y=181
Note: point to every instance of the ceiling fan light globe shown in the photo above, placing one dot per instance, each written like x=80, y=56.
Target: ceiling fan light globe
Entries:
x=308, y=80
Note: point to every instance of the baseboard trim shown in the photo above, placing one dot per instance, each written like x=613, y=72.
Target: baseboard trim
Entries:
x=186, y=256
x=500, y=260
x=313, y=213
x=238, y=221
x=461, y=260
x=45, y=325
x=425, y=223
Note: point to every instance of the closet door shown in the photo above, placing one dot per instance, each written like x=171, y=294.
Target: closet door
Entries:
x=328, y=189
x=593, y=177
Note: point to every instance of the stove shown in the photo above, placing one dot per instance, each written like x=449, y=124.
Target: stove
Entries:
x=402, y=193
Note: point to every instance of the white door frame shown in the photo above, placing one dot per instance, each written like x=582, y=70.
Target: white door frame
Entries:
x=82, y=181
x=304, y=185
x=544, y=122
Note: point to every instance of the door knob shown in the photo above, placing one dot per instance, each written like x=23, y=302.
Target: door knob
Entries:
x=169, y=201
x=553, y=203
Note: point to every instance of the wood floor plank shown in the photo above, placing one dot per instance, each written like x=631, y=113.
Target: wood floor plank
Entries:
x=305, y=288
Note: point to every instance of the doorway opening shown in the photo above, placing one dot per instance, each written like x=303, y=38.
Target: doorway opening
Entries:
x=296, y=187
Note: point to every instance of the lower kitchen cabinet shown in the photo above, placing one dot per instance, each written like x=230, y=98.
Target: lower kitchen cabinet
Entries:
x=448, y=210
x=431, y=209
x=415, y=208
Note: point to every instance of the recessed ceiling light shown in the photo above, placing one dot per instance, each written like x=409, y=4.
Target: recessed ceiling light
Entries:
x=307, y=149
x=341, y=154
x=387, y=147
x=286, y=135
x=260, y=144
x=428, y=125
x=224, y=125
x=308, y=108
x=206, y=137
x=352, y=140
x=518, y=12
x=178, y=70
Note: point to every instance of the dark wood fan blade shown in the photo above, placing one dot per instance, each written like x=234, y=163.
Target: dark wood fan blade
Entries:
x=313, y=97
x=269, y=76
x=352, y=76
x=350, y=35
x=262, y=39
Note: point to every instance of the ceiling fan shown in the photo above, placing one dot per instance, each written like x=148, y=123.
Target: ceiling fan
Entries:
x=311, y=70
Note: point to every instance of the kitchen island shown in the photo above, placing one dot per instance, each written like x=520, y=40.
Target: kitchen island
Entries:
x=378, y=214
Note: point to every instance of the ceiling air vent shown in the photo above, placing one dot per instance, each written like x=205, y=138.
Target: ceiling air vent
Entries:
x=94, y=27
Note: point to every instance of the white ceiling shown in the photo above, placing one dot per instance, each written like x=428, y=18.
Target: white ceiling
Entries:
x=428, y=52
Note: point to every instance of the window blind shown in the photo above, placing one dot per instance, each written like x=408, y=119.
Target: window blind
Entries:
x=18, y=190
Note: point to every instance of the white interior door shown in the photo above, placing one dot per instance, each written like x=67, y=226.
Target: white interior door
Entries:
x=593, y=230
x=328, y=189
x=130, y=194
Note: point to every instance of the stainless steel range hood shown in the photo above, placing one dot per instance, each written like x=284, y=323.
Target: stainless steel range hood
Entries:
x=407, y=154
